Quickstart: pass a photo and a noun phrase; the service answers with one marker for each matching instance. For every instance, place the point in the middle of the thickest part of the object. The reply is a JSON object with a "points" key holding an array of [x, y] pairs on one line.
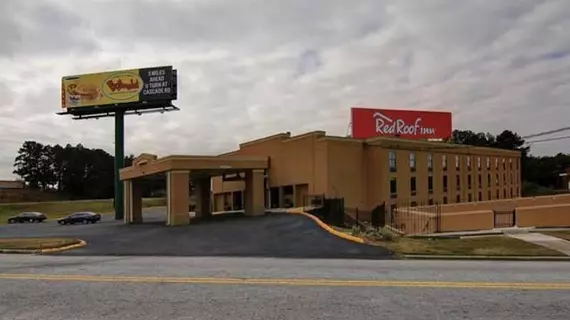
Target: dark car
{"points": [[27, 217], [80, 217]]}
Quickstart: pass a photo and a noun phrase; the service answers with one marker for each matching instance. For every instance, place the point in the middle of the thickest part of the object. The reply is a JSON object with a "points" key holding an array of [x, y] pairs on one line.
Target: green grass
{"points": [[58, 209], [36, 243], [476, 246], [559, 234]]}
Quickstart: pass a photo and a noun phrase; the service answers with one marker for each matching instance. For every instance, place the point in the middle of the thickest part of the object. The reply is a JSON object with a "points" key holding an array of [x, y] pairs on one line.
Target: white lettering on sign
{"points": [[386, 125]]}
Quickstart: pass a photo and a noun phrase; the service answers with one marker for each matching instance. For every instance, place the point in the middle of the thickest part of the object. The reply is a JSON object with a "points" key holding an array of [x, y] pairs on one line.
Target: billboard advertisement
{"points": [[118, 87], [408, 124]]}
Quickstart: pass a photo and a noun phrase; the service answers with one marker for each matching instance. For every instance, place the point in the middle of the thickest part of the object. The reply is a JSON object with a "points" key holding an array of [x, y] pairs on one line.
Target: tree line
{"points": [[83, 173], [76, 172]]}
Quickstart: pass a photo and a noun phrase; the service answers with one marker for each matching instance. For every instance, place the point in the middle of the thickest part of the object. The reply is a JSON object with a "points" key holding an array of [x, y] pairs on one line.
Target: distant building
{"points": [[11, 184]]}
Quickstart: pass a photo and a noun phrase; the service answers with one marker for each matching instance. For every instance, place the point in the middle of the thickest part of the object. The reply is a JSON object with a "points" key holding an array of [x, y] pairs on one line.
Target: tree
{"points": [[29, 164]]}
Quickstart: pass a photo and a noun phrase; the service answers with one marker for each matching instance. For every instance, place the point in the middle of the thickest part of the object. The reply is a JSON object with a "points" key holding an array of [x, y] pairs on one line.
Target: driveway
{"points": [[274, 235]]}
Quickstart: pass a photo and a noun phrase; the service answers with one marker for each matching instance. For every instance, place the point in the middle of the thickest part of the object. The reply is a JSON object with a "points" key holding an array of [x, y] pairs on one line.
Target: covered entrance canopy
{"points": [[180, 169]]}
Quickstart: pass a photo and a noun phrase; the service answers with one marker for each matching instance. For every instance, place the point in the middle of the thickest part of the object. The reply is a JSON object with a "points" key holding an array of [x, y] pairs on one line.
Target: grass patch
{"points": [[480, 246], [477, 246], [36, 243], [58, 209], [559, 234]]}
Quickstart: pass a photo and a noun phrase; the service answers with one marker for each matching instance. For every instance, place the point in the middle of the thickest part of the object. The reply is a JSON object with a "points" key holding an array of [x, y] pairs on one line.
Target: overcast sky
{"points": [[252, 68]]}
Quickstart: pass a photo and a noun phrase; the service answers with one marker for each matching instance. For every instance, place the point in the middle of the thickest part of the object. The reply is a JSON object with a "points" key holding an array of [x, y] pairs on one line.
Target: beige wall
{"points": [[10, 184], [544, 216], [359, 171]]}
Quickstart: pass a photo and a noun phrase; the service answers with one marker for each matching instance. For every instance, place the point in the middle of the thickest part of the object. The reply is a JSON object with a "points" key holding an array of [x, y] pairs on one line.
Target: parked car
{"points": [[27, 217], [80, 217]]}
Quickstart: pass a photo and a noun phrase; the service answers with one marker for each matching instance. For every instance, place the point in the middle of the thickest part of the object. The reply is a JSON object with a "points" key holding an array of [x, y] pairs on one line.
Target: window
{"points": [[489, 195], [504, 164], [430, 162], [504, 193], [504, 178], [488, 163], [457, 183], [444, 162], [478, 163], [517, 164], [511, 164], [496, 163], [414, 204], [498, 195], [479, 181], [512, 180], [412, 162], [469, 198], [444, 183], [457, 162], [444, 200], [511, 192], [488, 180], [468, 162], [458, 199], [392, 161], [497, 179], [393, 188], [469, 182], [413, 185], [430, 202], [430, 184], [479, 196]]}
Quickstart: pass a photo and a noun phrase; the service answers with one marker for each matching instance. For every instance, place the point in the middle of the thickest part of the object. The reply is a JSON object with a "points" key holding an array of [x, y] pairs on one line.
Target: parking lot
{"points": [[274, 235]]}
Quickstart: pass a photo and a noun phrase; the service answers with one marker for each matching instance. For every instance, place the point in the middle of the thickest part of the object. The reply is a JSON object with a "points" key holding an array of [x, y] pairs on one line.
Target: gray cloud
{"points": [[253, 68]]}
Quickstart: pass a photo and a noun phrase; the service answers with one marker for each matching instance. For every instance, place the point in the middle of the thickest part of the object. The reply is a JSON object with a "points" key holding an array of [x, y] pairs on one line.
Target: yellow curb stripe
{"points": [[65, 248], [328, 228], [80, 244], [292, 282]]}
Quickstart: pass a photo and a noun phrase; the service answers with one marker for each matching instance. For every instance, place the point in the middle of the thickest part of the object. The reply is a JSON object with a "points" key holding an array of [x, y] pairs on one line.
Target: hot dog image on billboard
{"points": [[408, 124]]}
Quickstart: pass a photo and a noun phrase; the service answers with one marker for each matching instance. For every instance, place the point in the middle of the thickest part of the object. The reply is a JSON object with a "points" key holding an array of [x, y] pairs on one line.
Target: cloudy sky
{"points": [[252, 68]]}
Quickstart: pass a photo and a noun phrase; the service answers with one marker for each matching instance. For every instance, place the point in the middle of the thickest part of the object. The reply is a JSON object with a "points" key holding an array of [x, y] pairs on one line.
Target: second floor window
{"points": [[393, 187], [412, 162]]}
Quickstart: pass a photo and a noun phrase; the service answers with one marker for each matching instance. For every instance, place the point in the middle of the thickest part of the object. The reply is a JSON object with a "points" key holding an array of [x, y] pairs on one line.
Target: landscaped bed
{"points": [[475, 246]]}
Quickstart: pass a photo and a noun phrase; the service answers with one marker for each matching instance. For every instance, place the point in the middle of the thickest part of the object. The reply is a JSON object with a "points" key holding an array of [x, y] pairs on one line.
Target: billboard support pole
{"points": [[119, 162]]}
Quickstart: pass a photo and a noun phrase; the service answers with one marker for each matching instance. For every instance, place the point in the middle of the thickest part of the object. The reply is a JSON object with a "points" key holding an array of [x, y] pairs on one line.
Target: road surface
{"points": [[71, 287], [276, 235]]}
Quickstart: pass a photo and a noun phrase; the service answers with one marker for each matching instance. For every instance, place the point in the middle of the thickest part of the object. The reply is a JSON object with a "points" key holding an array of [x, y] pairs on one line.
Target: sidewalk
{"points": [[547, 241]]}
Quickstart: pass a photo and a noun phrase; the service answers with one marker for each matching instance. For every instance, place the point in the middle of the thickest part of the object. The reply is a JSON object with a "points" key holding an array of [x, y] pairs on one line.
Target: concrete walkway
{"points": [[547, 241]]}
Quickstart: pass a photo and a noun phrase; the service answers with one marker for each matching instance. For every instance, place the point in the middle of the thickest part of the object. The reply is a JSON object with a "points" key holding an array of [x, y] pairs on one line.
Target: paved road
{"points": [[275, 235], [63, 287]]}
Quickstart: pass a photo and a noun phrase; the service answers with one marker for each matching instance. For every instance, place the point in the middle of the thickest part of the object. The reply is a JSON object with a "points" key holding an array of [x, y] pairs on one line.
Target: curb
{"points": [[483, 258], [80, 244], [328, 228]]}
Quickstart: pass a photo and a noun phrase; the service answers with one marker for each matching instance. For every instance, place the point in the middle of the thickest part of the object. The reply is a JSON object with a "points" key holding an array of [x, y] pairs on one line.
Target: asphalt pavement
{"points": [[275, 235], [103, 287]]}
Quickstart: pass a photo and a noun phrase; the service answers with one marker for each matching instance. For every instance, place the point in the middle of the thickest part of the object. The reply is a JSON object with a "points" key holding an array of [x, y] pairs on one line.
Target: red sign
{"points": [[368, 123]]}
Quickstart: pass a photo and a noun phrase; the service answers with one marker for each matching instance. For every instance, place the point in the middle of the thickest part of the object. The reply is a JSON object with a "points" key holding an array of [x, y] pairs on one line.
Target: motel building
{"points": [[369, 169], [369, 172]]}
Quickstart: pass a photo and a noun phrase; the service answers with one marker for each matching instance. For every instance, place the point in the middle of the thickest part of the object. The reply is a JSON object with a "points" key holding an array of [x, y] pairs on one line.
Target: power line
{"points": [[550, 139], [546, 133]]}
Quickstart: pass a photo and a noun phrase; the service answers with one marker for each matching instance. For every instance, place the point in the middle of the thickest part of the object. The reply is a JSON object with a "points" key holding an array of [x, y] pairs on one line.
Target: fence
{"points": [[406, 217]]}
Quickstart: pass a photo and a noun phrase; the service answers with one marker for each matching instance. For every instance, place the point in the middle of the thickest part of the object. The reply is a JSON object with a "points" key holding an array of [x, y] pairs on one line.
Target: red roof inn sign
{"points": [[368, 123]]}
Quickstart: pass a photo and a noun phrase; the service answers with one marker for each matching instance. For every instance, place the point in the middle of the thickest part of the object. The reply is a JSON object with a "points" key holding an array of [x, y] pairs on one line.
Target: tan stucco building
{"points": [[369, 172]]}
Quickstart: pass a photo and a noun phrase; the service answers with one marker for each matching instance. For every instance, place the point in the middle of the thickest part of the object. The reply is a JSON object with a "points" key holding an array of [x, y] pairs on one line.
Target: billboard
{"points": [[118, 87], [409, 124]]}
